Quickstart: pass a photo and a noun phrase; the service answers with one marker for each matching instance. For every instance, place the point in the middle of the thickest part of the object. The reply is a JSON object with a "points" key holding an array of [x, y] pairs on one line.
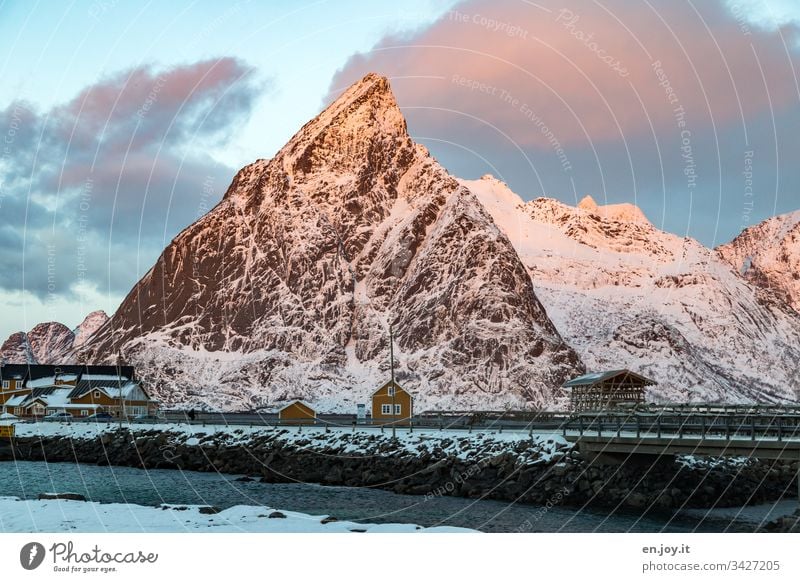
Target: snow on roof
{"points": [[597, 377], [105, 377], [125, 391], [16, 400], [40, 382], [57, 398]]}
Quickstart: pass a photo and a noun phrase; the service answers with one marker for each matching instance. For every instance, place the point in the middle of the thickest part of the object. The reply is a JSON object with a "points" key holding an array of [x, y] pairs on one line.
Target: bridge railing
{"points": [[681, 425]]}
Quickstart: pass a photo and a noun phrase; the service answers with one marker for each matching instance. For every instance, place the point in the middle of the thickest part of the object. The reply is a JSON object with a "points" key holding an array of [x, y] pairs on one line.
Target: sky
{"points": [[123, 122]]}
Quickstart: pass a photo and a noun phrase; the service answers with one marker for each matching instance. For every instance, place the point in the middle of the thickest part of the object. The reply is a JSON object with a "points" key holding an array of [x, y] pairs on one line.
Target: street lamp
{"points": [[119, 389], [393, 387]]}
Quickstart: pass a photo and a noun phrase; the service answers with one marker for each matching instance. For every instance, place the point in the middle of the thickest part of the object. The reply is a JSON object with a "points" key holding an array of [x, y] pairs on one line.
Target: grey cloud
{"points": [[101, 183]]}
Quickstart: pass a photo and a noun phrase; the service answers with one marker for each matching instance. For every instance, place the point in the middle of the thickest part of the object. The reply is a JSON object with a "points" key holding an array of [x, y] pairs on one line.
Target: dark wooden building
{"points": [[604, 390]]}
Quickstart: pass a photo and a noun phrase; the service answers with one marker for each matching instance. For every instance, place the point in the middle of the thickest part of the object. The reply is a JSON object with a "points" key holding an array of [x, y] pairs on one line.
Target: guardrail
{"points": [[731, 425], [732, 421]]}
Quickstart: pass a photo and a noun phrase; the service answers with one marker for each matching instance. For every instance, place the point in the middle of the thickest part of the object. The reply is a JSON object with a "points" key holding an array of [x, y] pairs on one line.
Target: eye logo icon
{"points": [[31, 555]]}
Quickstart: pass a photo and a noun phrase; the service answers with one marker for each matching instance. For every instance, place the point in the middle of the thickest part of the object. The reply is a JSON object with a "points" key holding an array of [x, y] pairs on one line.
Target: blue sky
{"points": [[93, 188]]}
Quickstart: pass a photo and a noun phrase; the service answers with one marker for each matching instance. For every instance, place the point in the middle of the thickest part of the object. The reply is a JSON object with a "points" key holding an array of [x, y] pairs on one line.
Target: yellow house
{"points": [[297, 412], [392, 403]]}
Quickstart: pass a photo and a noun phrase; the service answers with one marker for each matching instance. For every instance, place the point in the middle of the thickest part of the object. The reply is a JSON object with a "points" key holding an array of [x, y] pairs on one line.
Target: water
{"points": [[26, 479]]}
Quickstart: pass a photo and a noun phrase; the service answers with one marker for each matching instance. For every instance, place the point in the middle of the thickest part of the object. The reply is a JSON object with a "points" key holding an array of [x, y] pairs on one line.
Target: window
{"points": [[6, 384], [84, 413], [386, 409], [391, 391], [97, 394], [398, 409], [17, 411]]}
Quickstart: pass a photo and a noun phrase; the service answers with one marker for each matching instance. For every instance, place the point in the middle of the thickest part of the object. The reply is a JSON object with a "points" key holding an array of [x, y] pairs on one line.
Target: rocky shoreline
{"points": [[534, 470]]}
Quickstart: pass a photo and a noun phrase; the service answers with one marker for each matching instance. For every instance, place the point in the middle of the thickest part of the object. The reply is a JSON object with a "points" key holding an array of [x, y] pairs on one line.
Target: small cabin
{"points": [[392, 404], [604, 390], [297, 412]]}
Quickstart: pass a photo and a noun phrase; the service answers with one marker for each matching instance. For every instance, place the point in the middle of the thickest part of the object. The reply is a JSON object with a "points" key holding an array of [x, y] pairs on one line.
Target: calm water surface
{"points": [[26, 479]]}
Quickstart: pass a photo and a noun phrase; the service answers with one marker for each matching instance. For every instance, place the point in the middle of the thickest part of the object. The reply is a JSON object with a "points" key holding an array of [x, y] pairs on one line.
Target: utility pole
{"points": [[119, 387], [394, 389]]}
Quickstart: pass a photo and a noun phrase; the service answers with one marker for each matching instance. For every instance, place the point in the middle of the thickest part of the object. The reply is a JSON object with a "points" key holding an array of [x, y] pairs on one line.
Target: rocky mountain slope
{"points": [[45, 344], [768, 255], [50, 342], [91, 323], [287, 288], [625, 294]]}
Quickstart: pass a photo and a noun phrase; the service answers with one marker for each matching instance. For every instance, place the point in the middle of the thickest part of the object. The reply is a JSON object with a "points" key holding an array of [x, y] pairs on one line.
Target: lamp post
{"points": [[393, 388], [119, 388]]}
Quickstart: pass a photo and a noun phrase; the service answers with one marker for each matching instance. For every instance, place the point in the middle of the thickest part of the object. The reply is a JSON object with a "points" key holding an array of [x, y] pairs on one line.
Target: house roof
{"points": [[297, 401], [15, 400], [51, 396], [41, 382], [104, 378], [34, 371], [601, 377], [385, 384], [111, 389]]}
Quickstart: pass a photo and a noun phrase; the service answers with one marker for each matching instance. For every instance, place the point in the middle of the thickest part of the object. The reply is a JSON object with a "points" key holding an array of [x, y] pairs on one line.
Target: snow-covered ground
{"points": [[58, 516]]}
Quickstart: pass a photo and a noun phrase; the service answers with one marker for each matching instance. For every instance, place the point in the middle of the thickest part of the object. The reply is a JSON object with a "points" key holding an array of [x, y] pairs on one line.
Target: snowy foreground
{"points": [[61, 516]]}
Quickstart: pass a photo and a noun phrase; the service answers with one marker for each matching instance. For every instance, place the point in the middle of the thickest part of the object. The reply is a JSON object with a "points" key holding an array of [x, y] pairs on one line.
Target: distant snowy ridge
{"points": [[51, 342], [625, 294]]}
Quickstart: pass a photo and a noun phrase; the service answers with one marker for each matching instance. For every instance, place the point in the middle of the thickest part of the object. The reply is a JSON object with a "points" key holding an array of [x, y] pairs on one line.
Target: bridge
{"points": [[760, 432]]}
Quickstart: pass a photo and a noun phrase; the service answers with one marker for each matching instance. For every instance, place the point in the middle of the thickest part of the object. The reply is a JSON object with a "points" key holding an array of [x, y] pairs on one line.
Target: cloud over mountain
{"points": [[92, 188], [648, 102]]}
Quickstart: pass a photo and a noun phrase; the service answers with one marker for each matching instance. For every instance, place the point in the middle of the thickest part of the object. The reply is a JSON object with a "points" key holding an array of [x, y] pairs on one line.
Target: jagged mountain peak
{"points": [[50, 342], [16, 350], [90, 324], [365, 110], [287, 287], [621, 212], [343, 167], [621, 228], [768, 255], [588, 204], [361, 131]]}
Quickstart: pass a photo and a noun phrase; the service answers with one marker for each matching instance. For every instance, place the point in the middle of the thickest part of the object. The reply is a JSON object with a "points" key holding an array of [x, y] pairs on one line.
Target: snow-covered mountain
{"points": [[50, 342], [768, 255], [47, 343], [17, 350], [287, 288], [91, 323], [625, 294]]}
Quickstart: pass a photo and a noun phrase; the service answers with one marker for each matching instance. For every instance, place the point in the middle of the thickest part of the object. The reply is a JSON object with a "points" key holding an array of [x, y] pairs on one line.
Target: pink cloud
{"points": [[577, 71]]}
